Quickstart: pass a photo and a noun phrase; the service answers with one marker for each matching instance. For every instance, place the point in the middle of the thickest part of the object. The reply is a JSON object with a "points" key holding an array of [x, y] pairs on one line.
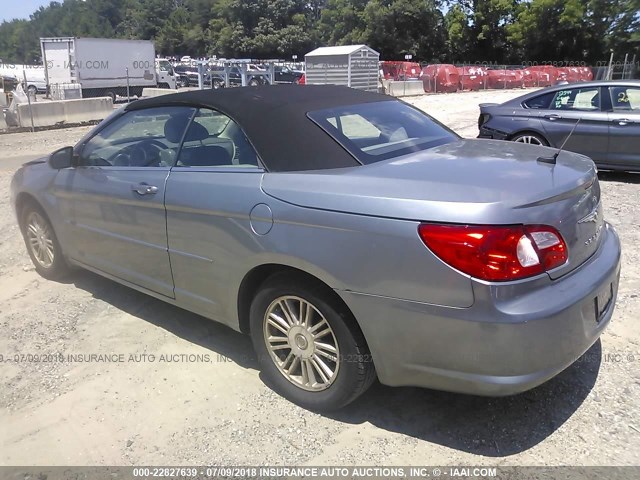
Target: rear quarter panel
{"points": [[511, 120], [376, 256]]}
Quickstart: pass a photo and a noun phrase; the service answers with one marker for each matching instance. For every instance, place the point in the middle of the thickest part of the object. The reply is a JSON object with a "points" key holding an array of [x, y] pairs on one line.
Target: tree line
{"points": [[452, 31]]}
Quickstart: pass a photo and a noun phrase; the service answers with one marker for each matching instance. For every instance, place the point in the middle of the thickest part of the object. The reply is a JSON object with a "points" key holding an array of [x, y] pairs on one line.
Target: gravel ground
{"points": [[179, 389]]}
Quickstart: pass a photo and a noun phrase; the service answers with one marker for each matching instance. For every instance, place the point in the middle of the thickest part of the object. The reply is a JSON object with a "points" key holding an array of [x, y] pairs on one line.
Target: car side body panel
{"points": [[214, 240], [590, 137], [624, 139], [113, 227]]}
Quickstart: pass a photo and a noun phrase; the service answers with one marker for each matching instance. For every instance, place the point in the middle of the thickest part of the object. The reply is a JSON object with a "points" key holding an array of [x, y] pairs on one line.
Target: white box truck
{"points": [[104, 66]]}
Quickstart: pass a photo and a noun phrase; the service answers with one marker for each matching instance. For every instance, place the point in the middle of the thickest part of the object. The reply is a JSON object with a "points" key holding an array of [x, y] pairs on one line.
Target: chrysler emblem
{"points": [[592, 216]]}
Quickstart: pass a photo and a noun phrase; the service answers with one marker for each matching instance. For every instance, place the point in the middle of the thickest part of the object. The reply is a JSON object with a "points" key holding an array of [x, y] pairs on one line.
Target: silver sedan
{"points": [[598, 119], [351, 235]]}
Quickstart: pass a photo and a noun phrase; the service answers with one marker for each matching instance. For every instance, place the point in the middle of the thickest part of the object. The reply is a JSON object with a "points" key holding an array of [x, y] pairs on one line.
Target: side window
{"points": [[625, 98], [539, 102], [214, 140], [381, 130], [364, 133], [586, 98], [141, 138], [355, 126]]}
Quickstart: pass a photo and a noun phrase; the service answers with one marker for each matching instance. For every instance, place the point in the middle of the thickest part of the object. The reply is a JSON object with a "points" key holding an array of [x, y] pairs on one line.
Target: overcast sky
{"points": [[11, 9]]}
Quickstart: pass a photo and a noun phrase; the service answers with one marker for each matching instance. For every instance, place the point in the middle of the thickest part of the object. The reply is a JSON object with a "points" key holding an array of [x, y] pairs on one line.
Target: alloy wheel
{"points": [[530, 139], [40, 240], [301, 343]]}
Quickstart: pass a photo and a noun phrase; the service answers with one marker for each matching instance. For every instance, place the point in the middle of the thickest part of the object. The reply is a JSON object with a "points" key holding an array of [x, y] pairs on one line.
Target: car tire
{"points": [[217, 84], [254, 82], [111, 95], [32, 89], [530, 138], [330, 384], [42, 244]]}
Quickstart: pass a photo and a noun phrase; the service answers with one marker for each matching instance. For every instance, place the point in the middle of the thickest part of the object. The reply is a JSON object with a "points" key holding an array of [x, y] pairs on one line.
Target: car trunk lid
{"points": [[467, 181]]}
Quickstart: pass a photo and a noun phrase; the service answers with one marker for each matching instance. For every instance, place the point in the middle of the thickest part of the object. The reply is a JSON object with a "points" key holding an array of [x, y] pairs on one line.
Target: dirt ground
{"points": [[206, 404]]}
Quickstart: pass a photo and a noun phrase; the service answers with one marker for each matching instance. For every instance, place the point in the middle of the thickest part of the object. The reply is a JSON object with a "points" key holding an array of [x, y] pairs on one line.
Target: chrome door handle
{"points": [[144, 189], [623, 121], [553, 117]]}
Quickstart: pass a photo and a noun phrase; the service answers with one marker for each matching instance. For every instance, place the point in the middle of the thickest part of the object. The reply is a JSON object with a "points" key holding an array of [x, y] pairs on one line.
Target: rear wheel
{"points": [[254, 82], [42, 244], [531, 139], [32, 89], [307, 346]]}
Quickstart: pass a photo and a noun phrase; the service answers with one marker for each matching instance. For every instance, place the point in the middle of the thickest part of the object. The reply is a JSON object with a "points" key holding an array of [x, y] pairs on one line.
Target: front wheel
{"points": [[531, 139], [307, 346], [42, 244]]}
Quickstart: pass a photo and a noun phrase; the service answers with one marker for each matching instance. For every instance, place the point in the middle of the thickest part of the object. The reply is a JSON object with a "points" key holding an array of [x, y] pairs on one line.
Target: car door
{"points": [[212, 192], [115, 196], [569, 106], [624, 126]]}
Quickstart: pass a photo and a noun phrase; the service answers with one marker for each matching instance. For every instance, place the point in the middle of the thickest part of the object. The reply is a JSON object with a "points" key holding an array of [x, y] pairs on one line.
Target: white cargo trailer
{"points": [[101, 66], [355, 66]]}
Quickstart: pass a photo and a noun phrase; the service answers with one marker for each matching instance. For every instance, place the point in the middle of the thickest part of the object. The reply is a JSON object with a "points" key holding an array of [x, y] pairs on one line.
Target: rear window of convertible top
{"points": [[372, 132]]}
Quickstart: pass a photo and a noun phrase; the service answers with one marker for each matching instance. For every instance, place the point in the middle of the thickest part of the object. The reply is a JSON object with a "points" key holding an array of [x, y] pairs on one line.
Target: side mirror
{"points": [[62, 158]]}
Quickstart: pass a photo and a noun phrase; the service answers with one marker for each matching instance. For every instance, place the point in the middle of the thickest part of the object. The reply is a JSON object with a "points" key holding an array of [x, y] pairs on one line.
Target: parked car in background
{"points": [[36, 82], [35, 77], [608, 113], [36, 85], [235, 77], [348, 233], [187, 75], [284, 74]]}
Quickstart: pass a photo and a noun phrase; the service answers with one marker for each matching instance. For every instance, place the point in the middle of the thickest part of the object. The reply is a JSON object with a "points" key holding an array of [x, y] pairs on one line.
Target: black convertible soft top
{"points": [[275, 120]]}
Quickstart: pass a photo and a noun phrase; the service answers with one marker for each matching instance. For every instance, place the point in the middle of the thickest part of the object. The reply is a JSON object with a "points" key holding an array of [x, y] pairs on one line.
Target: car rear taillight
{"points": [[483, 118], [496, 252]]}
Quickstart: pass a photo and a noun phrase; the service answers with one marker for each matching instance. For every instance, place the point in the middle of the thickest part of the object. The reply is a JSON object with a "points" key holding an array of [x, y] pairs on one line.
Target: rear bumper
{"points": [[514, 337], [490, 133]]}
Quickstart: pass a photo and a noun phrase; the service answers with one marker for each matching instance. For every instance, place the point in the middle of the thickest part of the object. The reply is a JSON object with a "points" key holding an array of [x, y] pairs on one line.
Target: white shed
{"points": [[355, 66]]}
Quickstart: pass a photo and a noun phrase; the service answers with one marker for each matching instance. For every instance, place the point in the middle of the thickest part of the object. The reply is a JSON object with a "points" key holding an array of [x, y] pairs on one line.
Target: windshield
{"points": [[378, 131], [165, 66]]}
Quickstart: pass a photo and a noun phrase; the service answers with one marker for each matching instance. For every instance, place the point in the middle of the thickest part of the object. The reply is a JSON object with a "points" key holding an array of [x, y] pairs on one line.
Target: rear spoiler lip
{"points": [[486, 105]]}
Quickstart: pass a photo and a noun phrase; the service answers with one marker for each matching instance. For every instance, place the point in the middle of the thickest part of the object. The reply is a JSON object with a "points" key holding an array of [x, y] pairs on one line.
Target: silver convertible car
{"points": [[351, 235], [598, 119]]}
